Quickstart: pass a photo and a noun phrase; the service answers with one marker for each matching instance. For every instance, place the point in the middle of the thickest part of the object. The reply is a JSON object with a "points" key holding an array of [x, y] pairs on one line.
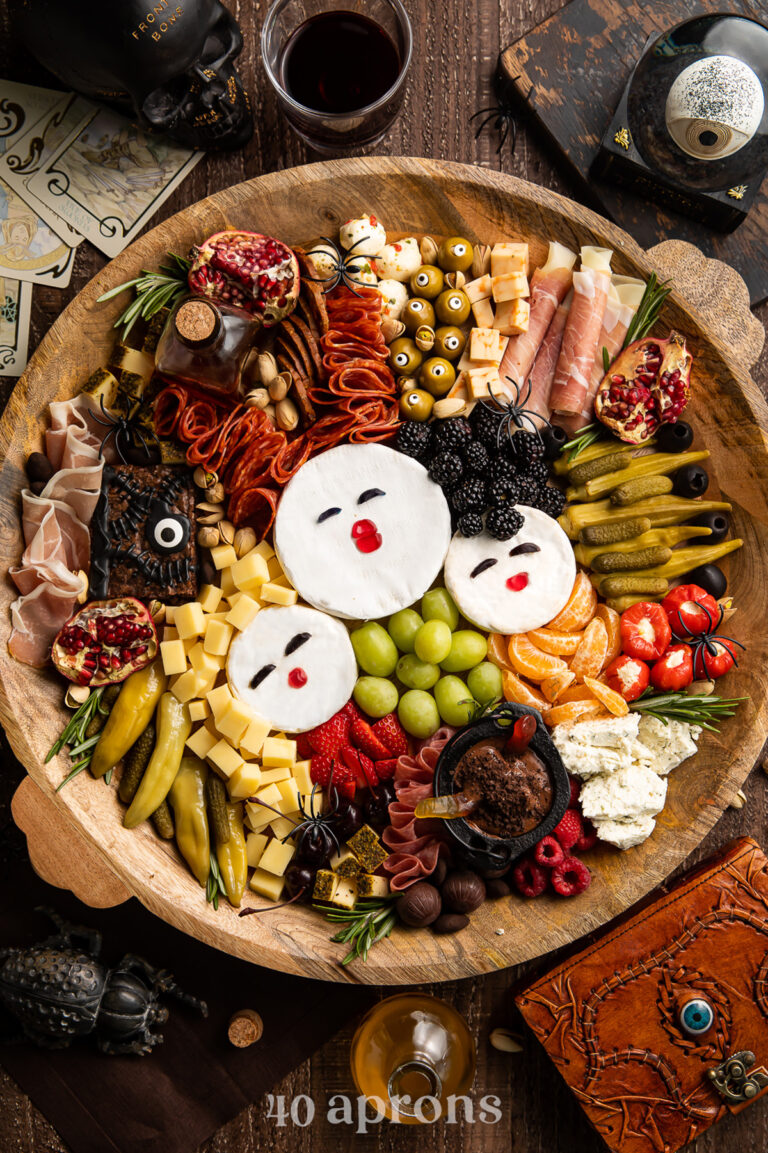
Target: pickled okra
{"points": [[656, 464], [665, 537], [683, 560], [660, 510], [597, 449]]}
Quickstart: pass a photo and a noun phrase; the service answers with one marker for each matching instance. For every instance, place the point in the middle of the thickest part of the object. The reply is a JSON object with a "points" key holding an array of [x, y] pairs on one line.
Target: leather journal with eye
{"points": [[660, 1027]]}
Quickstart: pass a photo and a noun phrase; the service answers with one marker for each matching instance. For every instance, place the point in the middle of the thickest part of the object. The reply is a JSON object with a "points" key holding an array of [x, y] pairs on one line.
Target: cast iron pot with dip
{"points": [[482, 850]]}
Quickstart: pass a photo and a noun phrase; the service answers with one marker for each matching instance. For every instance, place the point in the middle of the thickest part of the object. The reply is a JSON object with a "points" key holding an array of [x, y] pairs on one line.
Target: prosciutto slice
{"points": [[543, 372], [414, 848], [582, 332], [550, 285]]}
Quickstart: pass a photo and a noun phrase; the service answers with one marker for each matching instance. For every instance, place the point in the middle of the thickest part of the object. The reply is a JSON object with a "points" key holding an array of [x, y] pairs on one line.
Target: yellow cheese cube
{"points": [[245, 781], [170, 612], [282, 827], [186, 686], [227, 582], [270, 795], [190, 620], [289, 791], [276, 857], [266, 884], [259, 817], [233, 722], [199, 711], [255, 844], [482, 312], [509, 257], [217, 637], [242, 611], [223, 556], [278, 594], [263, 548], [173, 657], [250, 571], [302, 777], [479, 289], [225, 759], [314, 804], [272, 776], [345, 895], [510, 286], [486, 344], [278, 751], [512, 317], [219, 699], [253, 741], [170, 633], [201, 742], [204, 663], [480, 381], [209, 597], [274, 568], [369, 885]]}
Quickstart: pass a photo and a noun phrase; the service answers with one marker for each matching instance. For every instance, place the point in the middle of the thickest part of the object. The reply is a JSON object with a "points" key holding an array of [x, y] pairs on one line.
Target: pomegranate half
{"points": [[647, 385], [256, 273], [105, 642]]}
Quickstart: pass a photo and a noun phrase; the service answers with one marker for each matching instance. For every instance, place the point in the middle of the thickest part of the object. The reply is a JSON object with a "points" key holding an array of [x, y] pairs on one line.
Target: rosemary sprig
{"points": [[215, 884], [606, 360], [648, 310], [153, 291], [369, 922], [584, 438], [695, 710], [74, 738]]}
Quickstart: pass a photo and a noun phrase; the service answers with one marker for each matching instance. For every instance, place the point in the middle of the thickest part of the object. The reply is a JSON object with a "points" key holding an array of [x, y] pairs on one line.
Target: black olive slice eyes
{"points": [[261, 675], [369, 494], [489, 562], [296, 643], [524, 549], [329, 512]]}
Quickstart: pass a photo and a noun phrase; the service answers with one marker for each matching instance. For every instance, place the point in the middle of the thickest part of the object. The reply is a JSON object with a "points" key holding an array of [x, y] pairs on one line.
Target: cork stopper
{"points": [[245, 1028], [197, 321]]}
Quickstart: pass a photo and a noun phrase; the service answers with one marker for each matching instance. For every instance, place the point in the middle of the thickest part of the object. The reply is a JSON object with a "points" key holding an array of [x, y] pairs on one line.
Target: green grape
{"points": [[468, 648], [439, 605], [403, 627], [376, 696], [484, 682], [375, 650], [454, 701], [433, 641], [417, 713], [416, 674]]}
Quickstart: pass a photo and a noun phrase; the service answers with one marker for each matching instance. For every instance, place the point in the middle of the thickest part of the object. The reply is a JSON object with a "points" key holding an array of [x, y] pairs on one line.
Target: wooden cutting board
{"points": [[730, 415]]}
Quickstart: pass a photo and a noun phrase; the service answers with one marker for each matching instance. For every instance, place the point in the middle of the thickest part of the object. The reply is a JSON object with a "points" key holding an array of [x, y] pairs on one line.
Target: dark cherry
{"points": [[710, 578], [719, 524], [298, 877], [347, 819], [316, 847], [691, 481], [389, 791], [376, 810], [553, 438], [677, 437]]}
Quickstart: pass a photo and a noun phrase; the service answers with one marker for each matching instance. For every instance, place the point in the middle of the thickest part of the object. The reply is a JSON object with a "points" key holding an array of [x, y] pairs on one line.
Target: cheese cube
{"points": [[233, 722], [225, 759], [227, 582], [202, 662], [326, 883], [486, 344], [189, 619], [482, 312], [510, 287], [345, 896], [173, 657], [273, 776], [253, 742], [266, 884], [282, 827], [209, 597], [201, 742], [512, 317], [170, 633], [245, 781], [269, 795], [263, 548], [480, 381], [259, 817], [289, 792], [278, 594], [250, 571], [170, 611], [223, 556], [509, 257], [479, 289], [314, 804], [242, 611], [255, 844], [343, 855], [278, 751], [274, 568], [186, 686], [276, 857], [199, 711], [219, 699], [370, 885], [301, 775], [217, 637]]}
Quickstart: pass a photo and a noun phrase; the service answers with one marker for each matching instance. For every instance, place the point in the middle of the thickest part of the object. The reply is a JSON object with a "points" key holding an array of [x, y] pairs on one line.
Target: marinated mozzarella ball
{"points": [[400, 260], [394, 296], [325, 259], [366, 232], [360, 270]]}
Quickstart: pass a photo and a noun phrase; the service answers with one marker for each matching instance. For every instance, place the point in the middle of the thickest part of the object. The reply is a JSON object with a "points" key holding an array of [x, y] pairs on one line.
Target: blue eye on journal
{"points": [[696, 1017]]}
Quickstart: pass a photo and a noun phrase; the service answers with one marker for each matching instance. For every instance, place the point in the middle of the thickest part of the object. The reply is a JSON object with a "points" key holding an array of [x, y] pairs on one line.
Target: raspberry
{"points": [[361, 766], [570, 877], [343, 777], [587, 839], [575, 784], [385, 770], [329, 737], [530, 879], [548, 853], [364, 737], [391, 732], [569, 830]]}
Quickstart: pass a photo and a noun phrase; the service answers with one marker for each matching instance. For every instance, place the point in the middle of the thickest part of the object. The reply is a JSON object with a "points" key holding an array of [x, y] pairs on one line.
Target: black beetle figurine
{"points": [[57, 991]]}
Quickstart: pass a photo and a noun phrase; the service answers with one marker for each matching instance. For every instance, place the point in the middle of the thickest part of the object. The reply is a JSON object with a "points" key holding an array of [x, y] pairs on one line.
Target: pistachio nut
{"points": [[256, 398], [406, 383], [215, 494], [424, 337], [449, 406], [209, 513], [82, 596], [226, 531], [391, 329], [267, 368], [278, 388], [204, 478], [76, 695], [506, 1041], [208, 536], [455, 279], [245, 540], [157, 611], [286, 415], [428, 250], [481, 261]]}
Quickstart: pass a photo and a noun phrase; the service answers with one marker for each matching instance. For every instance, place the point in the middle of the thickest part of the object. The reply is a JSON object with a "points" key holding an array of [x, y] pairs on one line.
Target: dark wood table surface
{"points": [[455, 51]]}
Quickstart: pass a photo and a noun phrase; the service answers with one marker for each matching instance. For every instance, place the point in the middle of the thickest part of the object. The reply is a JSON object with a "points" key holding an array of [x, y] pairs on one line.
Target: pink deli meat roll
{"points": [[550, 285], [582, 332], [543, 372]]}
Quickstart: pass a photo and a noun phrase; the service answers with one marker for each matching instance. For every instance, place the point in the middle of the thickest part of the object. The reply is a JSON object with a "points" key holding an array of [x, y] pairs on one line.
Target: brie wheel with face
{"points": [[511, 586], [294, 667]]}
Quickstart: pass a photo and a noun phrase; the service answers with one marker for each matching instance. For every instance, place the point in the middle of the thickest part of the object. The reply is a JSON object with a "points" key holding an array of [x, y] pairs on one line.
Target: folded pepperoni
{"points": [[255, 507]]}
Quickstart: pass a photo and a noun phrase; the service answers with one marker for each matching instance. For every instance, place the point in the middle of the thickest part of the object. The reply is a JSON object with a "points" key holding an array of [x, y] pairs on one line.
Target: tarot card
{"points": [[109, 178], [15, 305], [33, 148]]}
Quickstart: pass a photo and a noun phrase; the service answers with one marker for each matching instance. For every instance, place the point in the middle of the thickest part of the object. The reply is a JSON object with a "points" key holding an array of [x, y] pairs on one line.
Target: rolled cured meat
{"points": [[582, 332], [550, 285], [543, 372]]}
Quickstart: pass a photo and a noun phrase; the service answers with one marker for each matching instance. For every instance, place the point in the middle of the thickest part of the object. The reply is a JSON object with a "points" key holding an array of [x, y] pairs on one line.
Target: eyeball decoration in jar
{"points": [[365, 233], [360, 270], [394, 297], [399, 261]]}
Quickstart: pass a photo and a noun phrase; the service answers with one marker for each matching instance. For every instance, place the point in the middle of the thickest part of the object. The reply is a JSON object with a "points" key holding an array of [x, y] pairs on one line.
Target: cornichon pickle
{"points": [[564, 464], [661, 510], [621, 604], [163, 821], [617, 586], [218, 817], [611, 462], [644, 558], [643, 486], [136, 761], [666, 537], [655, 464], [614, 531]]}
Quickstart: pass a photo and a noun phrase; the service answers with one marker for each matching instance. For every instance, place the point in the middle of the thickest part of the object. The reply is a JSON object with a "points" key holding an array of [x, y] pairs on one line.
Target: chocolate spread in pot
{"points": [[514, 790]]}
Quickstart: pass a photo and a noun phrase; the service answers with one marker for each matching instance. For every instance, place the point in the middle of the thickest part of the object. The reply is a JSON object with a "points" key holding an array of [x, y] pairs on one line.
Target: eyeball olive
{"points": [[404, 356], [452, 306], [455, 254], [437, 375], [416, 405], [417, 312], [427, 282], [450, 342]]}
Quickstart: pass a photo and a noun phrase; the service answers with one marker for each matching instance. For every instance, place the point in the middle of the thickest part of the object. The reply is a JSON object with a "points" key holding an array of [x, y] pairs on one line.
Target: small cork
{"points": [[245, 1028], [196, 321]]}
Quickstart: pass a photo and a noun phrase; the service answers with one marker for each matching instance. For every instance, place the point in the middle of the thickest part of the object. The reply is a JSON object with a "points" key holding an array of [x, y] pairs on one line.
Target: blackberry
{"points": [[471, 524], [501, 468], [527, 447], [453, 434], [504, 522], [475, 457], [485, 425], [446, 469], [469, 496], [504, 489], [414, 439], [528, 491], [538, 470], [551, 500]]}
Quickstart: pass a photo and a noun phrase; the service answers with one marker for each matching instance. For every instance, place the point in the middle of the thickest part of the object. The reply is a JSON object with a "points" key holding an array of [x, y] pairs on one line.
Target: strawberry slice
{"points": [[385, 770], [361, 765], [365, 738], [329, 737], [391, 733], [303, 747], [323, 766]]}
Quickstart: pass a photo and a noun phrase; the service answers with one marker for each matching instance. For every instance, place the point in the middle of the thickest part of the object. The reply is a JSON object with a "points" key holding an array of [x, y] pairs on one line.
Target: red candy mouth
{"points": [[297, 678], [518, 582], [366, 536]]}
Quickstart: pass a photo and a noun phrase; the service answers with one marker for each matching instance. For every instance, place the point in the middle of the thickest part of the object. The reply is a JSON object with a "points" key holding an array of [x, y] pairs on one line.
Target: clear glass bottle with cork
{"points": [[206, 343]]}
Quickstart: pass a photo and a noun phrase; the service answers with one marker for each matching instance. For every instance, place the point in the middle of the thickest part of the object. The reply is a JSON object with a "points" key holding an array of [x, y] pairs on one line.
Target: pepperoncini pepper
{"points": [[231, 856], [130, 715], [187, 797], [173, 727]]}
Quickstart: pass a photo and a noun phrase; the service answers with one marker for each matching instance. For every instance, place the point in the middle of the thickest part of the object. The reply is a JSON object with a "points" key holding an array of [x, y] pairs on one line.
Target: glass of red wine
{"points": [[338, 67]]}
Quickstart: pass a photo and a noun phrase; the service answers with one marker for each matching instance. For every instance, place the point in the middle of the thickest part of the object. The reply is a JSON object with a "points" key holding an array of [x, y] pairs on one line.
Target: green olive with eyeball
{"points": [[452, 306], [450, 342], [416, 404], [455, 254], [437, 375], [416, 313], [427, 282], [404, 356]]}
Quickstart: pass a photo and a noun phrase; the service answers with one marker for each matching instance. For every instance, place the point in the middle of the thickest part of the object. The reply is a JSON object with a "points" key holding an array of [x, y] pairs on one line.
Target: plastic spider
{"points": [[704, 644], [126, 430], [513, 412], [501, 115], [344, 267]]}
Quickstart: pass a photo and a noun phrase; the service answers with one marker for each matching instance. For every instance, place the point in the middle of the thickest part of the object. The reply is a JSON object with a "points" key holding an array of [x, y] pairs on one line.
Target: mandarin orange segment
{"points": [[559, 644], [575, 711], [529, 661], [613, 701], [523, 694], [497, 651], [576, 693], [554, 687], [579, 609], [588, 659], [612, 621]]}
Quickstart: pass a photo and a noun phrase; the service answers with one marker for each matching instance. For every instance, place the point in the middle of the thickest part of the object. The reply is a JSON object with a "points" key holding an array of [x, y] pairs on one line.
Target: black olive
{"points": [[677, 437], [463, 891], [710, 578], [37, 486], [691, 481], [717, 521], [419, 906], [553, 439]]}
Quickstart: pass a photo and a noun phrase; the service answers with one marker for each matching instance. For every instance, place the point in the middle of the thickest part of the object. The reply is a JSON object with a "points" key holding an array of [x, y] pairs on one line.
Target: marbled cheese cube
{"points": [[512, 317], [486, 344], [510, 287], [509, 256], [479, 289]]}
